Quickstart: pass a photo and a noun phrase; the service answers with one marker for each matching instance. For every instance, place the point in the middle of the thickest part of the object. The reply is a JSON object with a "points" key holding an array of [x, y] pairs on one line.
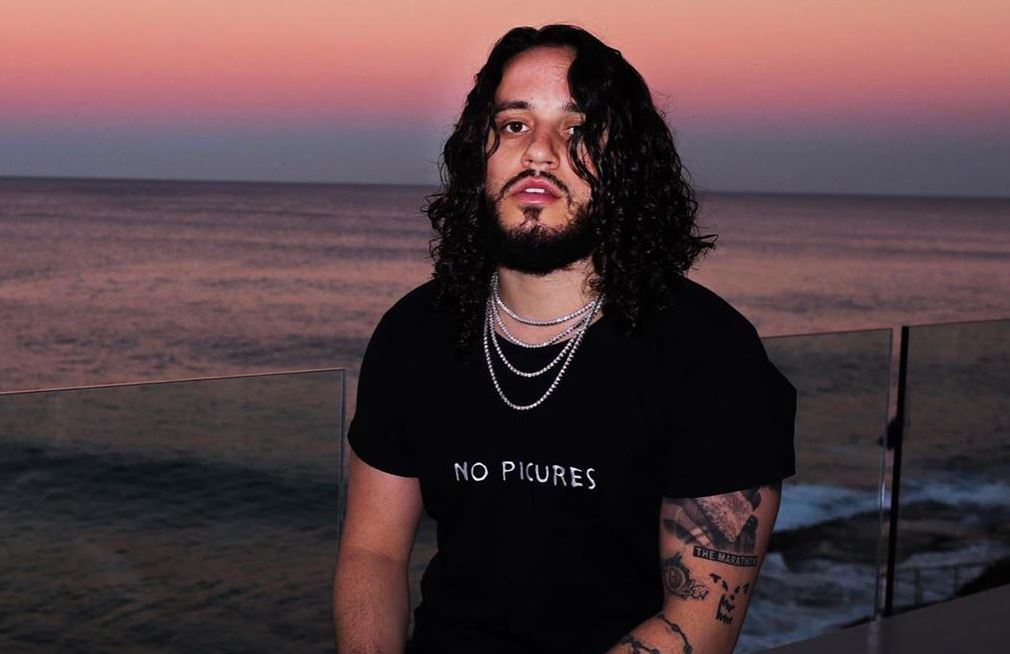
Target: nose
{"points": [[542, 151]]}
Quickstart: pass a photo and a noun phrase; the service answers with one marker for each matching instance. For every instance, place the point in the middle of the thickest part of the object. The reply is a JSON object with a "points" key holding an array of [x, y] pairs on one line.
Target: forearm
{"points": [[371, 603], [674, 631]]}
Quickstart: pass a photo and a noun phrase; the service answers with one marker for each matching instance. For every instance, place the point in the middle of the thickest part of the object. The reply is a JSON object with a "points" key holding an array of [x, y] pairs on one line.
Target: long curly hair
{"points": [[644, 209]]}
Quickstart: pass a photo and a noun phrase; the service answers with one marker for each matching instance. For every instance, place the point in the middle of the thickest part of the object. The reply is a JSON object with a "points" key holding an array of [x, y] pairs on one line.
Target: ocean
{"points": [[107, 281]]}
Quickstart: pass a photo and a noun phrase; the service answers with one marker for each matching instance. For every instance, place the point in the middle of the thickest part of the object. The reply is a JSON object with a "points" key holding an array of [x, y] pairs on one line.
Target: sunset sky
{"points": [[902, 97]]}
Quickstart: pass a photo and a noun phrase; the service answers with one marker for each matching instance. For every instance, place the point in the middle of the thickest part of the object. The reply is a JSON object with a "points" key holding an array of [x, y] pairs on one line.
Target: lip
{"points": [[550, 194], [537, 184]]}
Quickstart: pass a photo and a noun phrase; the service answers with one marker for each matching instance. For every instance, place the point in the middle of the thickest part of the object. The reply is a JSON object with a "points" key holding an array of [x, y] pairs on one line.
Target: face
{"points": [[535, 116]]}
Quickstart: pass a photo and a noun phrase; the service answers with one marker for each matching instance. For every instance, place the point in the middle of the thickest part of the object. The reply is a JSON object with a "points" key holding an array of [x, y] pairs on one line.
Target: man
{"points": [[600, 440]]}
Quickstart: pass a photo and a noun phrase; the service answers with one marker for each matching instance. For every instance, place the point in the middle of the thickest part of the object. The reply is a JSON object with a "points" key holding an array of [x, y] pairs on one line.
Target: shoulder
{"points": [[696, 317], [705, 337]]}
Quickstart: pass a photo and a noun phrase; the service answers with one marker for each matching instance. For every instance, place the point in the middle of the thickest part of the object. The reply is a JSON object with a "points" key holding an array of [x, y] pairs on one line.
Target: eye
{"points": [[505, 126]]}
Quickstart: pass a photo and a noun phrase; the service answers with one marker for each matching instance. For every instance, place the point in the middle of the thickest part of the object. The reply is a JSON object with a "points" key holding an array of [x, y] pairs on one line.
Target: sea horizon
{"points": [[435, 185], [111, 280]]}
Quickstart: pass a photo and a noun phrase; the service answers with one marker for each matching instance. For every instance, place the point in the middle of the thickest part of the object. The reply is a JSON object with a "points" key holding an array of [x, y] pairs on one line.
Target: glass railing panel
{"points": [[954, 527], [821, 569], [195, 516]]}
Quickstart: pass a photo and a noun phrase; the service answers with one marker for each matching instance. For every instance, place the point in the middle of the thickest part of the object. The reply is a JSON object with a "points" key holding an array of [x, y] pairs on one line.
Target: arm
{"points": [[711, 550], [371, 598]]}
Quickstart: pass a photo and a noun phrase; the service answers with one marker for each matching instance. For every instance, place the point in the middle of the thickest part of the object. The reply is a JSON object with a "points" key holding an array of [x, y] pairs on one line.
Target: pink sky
{"points": [[720, 59], [712, 64]]}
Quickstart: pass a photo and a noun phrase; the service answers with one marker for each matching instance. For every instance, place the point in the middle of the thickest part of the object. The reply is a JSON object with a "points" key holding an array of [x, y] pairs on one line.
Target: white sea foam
{"points": [[956, 488], [810, 504]]}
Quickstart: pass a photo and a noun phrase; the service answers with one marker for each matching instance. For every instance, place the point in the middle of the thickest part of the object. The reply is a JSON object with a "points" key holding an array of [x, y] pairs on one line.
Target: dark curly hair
{"points": [[644, 210]]}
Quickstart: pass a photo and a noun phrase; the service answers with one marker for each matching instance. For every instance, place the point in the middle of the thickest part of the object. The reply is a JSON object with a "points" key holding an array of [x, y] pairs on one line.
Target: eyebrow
{"points": [[570, 107]]}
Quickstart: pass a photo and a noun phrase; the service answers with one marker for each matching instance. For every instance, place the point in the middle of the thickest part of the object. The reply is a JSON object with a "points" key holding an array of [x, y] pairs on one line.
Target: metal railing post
{"points": [[898, 433]]}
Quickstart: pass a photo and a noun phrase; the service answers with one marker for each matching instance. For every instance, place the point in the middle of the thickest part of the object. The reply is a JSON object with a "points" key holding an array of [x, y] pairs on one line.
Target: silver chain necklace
{"points": [[522, 373], [514, 339], [491, 316], [533, 321], [498, 302]]}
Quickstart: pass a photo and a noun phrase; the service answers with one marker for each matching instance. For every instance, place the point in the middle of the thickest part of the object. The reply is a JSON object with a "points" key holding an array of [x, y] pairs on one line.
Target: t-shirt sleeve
{"points": [[376, 433], [734, 417]]}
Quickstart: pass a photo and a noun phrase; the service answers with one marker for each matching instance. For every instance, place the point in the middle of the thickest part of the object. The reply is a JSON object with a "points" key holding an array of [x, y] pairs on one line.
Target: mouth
{"points": [[536, 191], [535, 195]]}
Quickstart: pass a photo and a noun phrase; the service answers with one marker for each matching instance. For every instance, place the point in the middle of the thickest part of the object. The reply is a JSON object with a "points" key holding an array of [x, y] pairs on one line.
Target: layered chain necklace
{"points": [[491, 318]]}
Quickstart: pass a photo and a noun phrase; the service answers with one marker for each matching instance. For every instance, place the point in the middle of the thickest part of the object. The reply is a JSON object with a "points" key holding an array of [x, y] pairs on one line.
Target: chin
{"points": [[524, 218]]}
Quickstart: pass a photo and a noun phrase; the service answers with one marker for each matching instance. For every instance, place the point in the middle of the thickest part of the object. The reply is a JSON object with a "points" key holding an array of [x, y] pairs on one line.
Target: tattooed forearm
{"points": [[721, 524], [728, 602], [678, 580]]}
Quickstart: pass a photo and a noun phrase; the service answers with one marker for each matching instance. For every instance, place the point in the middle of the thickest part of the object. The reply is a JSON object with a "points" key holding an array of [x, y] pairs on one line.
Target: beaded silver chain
{"points": [[498, 302], [533, 321], [568, 352], [522, 373], [514, 339]]}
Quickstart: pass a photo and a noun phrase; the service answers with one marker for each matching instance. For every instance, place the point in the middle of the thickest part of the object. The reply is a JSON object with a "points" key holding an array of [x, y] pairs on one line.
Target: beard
{"points": [[536, 250]]}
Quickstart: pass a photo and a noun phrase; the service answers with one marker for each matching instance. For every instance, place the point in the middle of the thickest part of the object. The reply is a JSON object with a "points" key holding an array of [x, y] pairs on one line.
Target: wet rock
{"points": [[995, 574]]}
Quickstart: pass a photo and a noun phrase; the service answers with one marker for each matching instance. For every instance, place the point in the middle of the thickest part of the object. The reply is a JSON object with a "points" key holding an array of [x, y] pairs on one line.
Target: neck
{"points": [[543, 297]]}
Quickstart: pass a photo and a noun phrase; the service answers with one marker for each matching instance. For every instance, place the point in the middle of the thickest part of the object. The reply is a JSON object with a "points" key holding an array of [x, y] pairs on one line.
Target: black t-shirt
{"points": [[548, 519]]}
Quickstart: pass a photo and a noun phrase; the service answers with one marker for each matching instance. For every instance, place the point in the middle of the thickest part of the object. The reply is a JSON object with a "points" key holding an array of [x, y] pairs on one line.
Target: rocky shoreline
{"points": [[925, 526]]}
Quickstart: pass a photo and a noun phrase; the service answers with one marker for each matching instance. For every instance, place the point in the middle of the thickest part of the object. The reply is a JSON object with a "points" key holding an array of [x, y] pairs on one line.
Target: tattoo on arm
{"points": [[722, 528], [675, 628], [678, 580], [728, 602], [636, 646]]}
